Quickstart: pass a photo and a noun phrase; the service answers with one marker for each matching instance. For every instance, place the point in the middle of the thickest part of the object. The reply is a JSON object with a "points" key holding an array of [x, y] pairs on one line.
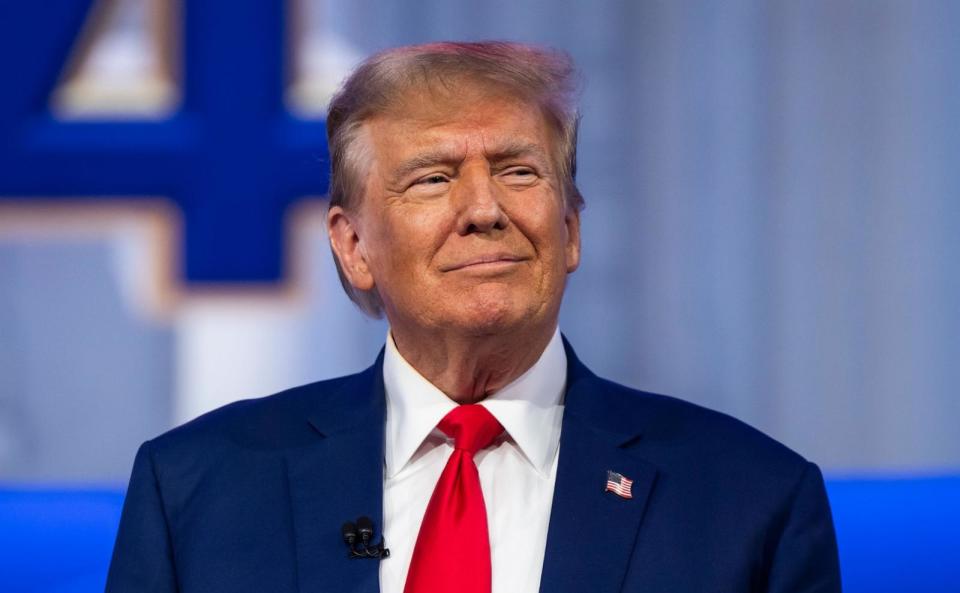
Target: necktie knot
{"points": [[471, 426]]}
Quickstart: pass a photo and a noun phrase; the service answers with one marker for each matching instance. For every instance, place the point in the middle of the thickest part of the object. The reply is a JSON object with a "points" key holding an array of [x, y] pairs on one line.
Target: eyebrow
{"points": [[427, 159], [446, 157], [514, 150]]}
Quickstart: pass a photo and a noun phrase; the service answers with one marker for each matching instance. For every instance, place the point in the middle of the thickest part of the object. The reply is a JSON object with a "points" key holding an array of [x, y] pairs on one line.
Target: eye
{"points": [[519, 175], [520, 171], [434, 179]]}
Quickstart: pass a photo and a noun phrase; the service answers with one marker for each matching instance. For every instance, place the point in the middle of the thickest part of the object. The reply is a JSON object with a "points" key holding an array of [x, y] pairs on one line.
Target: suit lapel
{"points": [[336, 479], [339, 477], [592, 532]]}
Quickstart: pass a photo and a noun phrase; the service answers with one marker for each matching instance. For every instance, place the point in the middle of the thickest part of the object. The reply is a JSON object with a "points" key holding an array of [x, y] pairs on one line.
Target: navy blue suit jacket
{"points": [[251, 497]]}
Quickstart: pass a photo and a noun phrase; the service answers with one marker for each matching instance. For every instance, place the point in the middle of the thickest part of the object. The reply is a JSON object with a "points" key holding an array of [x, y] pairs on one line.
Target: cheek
{"points": [[408, 236], [544, 226]]}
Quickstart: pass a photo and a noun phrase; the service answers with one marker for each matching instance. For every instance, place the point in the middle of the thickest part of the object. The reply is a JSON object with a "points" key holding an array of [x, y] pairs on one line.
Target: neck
{"points": [[470, 368]]}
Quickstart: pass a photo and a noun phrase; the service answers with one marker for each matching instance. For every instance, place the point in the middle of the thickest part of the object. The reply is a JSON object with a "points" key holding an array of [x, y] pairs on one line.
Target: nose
{"points": [[479, 204]]}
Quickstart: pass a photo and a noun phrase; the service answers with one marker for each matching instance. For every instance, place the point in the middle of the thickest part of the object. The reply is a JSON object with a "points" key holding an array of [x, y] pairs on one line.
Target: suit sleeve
{"points": [[143, 553], [805, 559]]}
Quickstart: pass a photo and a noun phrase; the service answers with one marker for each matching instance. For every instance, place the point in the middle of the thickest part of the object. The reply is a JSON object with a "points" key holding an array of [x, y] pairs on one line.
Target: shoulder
{"points": [[739, 479], [671, 418], [670, 426], [243, 446], [685, 438], [278, 421]]}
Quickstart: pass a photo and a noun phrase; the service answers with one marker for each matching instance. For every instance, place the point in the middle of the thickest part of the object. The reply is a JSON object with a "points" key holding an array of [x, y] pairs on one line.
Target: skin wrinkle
{"points": [[454, 179]]}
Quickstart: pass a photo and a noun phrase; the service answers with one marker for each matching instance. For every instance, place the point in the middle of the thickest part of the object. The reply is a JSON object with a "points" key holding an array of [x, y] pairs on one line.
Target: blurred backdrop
{"points": [[772, 223]]}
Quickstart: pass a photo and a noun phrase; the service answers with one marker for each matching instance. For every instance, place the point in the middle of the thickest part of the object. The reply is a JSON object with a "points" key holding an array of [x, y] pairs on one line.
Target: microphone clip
{"points": [[359, 540]]}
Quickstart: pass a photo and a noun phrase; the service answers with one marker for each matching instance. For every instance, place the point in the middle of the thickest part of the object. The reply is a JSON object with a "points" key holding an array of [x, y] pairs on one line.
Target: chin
{"points": [[490, 316]]}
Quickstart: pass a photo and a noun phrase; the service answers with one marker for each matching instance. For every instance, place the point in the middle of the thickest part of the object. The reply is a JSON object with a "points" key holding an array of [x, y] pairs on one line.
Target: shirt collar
{"points": [[530, 408]]}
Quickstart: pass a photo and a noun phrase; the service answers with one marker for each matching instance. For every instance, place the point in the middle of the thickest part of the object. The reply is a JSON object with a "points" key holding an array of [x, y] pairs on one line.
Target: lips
{"points": [[491, 261]]}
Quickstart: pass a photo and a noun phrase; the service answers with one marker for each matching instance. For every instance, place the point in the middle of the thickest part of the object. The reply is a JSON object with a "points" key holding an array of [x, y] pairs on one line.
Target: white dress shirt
{"points": [[517, 473]]}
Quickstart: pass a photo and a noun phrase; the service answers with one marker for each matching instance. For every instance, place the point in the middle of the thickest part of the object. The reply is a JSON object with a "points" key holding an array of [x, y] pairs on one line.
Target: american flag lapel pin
{"points": [[619, 484]]}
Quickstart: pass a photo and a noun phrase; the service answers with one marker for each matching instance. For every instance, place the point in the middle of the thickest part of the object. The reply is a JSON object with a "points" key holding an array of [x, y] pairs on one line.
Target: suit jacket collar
{"points": [[592, 532], [339, 478], [601, 404]]}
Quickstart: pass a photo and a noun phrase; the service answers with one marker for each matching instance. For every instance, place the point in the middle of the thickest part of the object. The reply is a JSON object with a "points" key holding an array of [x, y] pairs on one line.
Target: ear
{"points": [[572, 221], [345, 242]]}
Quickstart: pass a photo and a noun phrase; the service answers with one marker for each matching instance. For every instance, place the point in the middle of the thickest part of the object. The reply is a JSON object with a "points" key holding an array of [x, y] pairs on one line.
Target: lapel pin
{"points": [[619, 484]]}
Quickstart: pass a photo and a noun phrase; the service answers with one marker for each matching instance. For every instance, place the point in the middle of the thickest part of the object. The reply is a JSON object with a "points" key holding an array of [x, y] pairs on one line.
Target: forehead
{"points": [[466, 120]]}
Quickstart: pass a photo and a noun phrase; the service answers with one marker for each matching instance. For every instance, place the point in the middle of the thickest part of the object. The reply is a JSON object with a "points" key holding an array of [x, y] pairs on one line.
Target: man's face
{"points": [[462, 225]]}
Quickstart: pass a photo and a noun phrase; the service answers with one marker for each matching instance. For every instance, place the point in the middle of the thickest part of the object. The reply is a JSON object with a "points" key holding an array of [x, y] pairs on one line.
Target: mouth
{"points": [[491, 263]]}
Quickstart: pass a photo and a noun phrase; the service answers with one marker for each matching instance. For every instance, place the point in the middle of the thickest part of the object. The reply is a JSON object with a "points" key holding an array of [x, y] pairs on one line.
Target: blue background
{"points": [[894, 535]]}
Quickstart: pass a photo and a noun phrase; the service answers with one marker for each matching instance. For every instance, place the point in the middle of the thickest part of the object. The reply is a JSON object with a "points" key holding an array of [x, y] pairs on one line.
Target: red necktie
{"points": [[452, 553]]}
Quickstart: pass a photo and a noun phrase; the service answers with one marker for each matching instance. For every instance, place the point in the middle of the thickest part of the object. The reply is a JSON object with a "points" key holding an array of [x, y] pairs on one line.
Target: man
{"points": [[487, 455]]}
